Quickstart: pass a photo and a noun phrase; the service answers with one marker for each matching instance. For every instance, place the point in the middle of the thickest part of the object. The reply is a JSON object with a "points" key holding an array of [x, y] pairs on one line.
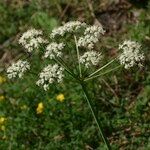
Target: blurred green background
{"points": [[122, 99]]}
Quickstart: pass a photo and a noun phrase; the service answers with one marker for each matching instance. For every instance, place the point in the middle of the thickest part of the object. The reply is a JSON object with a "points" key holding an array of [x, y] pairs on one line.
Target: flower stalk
{"points": [[95, 116], [101, 68], [78, 55], [101, 74]]}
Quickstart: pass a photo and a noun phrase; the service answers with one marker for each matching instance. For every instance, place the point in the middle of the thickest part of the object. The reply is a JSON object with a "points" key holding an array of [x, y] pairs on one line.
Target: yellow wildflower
{"points": [[2, 120], [40, 108], [2, 79], [60, 97], [2, 98]]}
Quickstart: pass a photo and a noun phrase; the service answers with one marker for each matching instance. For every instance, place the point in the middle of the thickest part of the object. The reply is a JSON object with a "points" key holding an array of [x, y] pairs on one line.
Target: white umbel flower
{"points": [[32, 39], [49, 75], [94, 30], [54, 49], [87, 41], [90, 58], [91, 36], [17, 69], [131, 54], [71, 26]]}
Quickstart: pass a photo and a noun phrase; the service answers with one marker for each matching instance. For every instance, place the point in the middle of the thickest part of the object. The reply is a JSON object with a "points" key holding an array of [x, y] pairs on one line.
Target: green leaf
{"points": [[42, 20]]}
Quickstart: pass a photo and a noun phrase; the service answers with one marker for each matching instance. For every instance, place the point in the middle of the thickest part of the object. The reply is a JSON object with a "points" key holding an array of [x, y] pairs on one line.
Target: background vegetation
{"points": [[64, 121]]}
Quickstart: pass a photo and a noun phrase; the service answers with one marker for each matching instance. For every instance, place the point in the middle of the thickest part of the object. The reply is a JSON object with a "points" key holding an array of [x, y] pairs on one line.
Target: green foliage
{"points": [[142, 29], [42, 20]]}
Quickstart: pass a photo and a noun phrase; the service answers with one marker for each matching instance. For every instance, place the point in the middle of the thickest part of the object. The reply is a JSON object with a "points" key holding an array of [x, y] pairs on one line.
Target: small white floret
{"points": [[49, 75], [17, 69], [32, 39], [54, 50], [91, 36], [68, 27], [90, 58], [131, 54]]}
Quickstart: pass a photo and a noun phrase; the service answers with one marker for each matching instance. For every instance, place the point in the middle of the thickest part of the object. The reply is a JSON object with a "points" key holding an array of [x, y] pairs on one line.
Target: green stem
{"points": [[87, 79], [78, 55], [66, 68], [102, 68], [95, 116]]}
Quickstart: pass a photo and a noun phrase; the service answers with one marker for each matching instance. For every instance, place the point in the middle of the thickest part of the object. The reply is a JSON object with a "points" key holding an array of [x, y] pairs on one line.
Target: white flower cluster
{"points": [[131, 54], [90, 58], [91, 36], [32, 39], [17, 69], [53, 50], [50, 74], [71, 26], [94, 30]]}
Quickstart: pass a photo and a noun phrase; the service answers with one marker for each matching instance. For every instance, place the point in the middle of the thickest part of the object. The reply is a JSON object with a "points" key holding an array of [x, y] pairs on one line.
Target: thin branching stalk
{"points": [[66, 68], [90, 78], [78, 55], [101, 68], [95, 116]]}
